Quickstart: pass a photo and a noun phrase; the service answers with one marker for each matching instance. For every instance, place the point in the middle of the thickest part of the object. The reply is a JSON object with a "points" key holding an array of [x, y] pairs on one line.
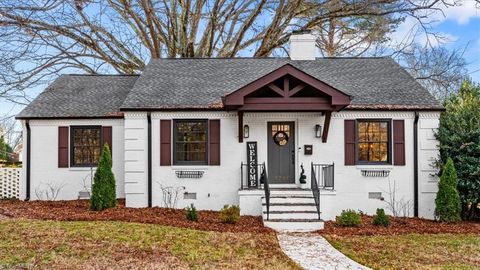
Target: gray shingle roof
{"points": [[201, 83], [81, 96], [373, 83]]}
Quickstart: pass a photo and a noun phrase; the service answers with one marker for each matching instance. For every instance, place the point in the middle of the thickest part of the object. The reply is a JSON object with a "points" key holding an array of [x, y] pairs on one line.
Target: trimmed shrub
{"points": [[229, 214], [380, 219], [103, 187], [349, 218], [192, 213], [447, 204]]}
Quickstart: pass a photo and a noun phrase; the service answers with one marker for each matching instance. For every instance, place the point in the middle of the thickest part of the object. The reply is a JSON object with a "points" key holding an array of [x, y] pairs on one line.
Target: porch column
{"points": [[240, 126], [326, 126]]}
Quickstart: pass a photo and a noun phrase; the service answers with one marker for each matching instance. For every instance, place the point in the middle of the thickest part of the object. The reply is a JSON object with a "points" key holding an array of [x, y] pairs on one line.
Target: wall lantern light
{"points": [[246, 131], [318, 131]]}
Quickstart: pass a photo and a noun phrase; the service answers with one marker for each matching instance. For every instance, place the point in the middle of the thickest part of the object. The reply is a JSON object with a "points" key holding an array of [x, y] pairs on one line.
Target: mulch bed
{"points": [[400, 226], [78, 210]]}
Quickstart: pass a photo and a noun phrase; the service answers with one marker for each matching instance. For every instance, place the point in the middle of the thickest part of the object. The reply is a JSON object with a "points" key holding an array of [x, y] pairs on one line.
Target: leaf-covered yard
{"points": [[112, 244], [411, 251]]}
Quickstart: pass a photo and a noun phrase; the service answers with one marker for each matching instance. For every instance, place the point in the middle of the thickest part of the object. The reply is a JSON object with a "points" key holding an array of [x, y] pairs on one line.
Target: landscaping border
{"points": [[78, 210]]}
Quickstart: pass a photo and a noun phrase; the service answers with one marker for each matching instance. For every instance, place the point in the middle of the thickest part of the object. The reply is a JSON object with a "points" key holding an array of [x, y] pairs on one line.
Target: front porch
{"points": [[286, 207], [301, 108]]}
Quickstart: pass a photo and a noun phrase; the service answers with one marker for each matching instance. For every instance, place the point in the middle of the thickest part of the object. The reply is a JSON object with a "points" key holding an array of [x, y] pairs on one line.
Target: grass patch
{"points": [[103, 244], [412, 251]]}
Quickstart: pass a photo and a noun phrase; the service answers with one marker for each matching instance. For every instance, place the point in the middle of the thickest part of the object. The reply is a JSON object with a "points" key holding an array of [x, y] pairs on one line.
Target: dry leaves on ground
{"points": [[78, 210], [401, 226]]}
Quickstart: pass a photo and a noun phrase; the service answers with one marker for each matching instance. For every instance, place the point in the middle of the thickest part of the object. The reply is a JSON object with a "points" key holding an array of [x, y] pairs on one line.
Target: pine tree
{"points": [[447, 203], [103, 188]]}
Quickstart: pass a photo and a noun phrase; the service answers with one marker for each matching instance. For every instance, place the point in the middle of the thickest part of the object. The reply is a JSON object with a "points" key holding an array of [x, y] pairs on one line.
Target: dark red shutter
{"points": [[398, 142], [214, 142], [350, 158], [63, 147], [107, 137], [165, 142]]}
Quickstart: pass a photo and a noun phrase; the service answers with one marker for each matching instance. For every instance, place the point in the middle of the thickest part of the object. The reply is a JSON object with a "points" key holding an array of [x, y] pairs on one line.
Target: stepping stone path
{"points": [[312, 251]]}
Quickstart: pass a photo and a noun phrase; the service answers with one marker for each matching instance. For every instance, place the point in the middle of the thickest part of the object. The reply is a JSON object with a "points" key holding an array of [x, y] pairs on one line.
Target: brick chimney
{"points": [[302, 45]]}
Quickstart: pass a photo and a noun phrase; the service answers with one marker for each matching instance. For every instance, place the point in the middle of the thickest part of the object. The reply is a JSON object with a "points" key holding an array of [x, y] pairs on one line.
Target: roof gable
{"points": [[287, 96]]}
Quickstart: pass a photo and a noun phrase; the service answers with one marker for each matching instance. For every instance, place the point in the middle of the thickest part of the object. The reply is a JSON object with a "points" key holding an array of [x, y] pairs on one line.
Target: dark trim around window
{"points": [[174, 143], [71, 146], [389, 142]]}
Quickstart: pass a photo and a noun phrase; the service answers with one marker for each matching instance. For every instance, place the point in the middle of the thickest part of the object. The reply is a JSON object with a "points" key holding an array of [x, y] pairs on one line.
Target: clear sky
{"points": [[460, 25]]}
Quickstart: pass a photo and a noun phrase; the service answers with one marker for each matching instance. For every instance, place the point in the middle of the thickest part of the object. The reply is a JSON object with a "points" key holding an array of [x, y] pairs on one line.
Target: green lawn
{"points": [[81, 245], [412, 251]]}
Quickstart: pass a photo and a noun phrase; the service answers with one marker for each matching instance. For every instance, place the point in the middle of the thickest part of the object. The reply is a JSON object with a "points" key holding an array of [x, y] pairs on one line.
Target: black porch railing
{"points": [[266, 188], [245, 181], [322, 176], [325, 175], [260, 178]]}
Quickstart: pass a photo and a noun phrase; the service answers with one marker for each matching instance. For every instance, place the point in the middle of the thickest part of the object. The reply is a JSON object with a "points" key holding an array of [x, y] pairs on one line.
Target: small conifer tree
{"points": [[103, 188], [380, 219], [447, 204]]}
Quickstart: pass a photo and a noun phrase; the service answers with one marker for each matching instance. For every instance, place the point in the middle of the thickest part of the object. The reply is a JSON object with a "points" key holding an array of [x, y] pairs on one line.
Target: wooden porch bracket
{"points": [[326, 126], [240, 126]]}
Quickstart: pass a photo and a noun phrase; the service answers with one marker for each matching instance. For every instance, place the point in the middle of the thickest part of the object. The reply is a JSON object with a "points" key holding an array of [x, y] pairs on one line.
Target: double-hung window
{"points": [[190, 142], [86, 145], [373, 141]]}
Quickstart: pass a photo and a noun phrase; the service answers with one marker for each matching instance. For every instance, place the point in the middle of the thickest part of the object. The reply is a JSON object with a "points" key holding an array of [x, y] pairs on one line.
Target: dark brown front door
{"points": [[281, 152]]}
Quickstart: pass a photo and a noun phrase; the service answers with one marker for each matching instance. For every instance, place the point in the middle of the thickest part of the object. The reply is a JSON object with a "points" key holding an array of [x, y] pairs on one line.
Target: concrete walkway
{"points": [[312, 251]]}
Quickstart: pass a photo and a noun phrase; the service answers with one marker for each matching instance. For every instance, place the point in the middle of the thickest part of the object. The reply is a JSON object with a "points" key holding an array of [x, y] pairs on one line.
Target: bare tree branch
{"points": [[40, 39]]}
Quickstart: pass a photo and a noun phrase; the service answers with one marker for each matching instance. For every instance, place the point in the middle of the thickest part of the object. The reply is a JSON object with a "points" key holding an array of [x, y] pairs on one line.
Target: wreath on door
{"points": [[280, 138]]}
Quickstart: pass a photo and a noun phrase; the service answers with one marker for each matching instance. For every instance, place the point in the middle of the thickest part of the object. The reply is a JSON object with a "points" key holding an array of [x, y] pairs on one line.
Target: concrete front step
{"points": [[291, 210], [285, 192], [304, 215], [290, 207], [294, 225], [291, 199]]}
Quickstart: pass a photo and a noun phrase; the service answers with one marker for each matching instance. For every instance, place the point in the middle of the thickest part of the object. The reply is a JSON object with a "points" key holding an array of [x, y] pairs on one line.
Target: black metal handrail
{"points": [[322, 176], [315, 189], [264, 177], [244, 174]]}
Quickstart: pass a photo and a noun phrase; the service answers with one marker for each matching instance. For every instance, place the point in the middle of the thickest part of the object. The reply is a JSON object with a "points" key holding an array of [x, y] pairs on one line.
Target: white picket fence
{"points": [[10, 182]]}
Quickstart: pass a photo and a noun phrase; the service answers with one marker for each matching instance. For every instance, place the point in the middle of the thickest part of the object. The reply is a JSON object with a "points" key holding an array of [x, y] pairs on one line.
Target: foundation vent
{"points": [[190, 196]]}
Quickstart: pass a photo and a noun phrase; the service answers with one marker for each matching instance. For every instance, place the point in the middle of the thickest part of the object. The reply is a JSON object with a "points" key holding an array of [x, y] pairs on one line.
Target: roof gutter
{"points": [[149, 153], [27, 169], [415, 165]]}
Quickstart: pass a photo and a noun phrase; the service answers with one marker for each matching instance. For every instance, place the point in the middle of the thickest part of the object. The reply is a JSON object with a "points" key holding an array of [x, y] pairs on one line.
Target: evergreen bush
{"points": [[192, 213], [380, 219], [349, 218], [459, 139], [229, 214], [447, 203], [103, 187]]}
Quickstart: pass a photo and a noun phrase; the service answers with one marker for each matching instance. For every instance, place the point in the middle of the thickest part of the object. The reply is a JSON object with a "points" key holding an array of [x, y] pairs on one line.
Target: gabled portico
{"points": [[287, 89]]}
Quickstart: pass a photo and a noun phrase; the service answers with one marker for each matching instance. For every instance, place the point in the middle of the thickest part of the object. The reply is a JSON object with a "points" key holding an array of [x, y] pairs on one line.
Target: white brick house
{"points": [[357, 125]]}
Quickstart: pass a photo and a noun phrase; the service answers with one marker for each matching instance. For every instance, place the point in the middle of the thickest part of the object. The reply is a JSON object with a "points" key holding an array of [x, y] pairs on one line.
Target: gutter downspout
{"points": [[415, 165], [27, 169], [149, 153]]}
